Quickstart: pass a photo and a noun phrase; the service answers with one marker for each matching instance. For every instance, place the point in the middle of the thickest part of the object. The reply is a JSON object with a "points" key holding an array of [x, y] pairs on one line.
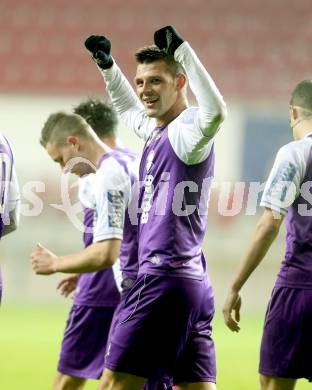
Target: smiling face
{"points": [[159, 90]]}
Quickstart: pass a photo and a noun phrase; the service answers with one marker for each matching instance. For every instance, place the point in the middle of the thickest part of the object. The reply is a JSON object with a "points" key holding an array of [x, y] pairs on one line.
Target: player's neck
{"points": [[112, 142], [302, 129], [96, 150], [172, 113]]}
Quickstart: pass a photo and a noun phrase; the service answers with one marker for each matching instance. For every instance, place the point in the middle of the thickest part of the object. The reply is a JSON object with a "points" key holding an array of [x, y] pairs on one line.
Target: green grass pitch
{"points": [[30, 339]]}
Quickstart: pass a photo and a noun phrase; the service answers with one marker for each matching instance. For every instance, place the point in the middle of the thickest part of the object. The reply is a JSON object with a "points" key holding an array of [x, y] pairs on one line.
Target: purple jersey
{"points": [[296, 270], [173, 201], [176, 169], [288, 190], [103, 204]]}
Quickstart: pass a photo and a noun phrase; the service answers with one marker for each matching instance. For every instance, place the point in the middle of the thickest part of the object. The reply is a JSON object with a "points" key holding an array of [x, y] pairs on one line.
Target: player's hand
{"points": [[233, 302], [168, 39], [68, 285], [100, 48], [43, 261]]}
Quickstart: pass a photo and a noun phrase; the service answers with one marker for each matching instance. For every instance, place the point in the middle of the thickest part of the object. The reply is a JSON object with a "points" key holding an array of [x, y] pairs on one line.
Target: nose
{"points": [[146, 88]]}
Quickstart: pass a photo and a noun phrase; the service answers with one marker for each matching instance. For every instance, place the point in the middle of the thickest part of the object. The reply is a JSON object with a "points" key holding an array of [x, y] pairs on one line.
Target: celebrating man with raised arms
{"points": [[165, 323]]}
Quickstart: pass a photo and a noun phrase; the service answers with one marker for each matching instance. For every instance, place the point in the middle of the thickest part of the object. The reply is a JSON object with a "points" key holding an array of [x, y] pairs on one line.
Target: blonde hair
{"points": [[60, 125]]}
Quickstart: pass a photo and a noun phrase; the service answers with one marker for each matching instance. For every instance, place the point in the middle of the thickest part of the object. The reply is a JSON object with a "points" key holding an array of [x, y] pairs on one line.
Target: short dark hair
{"points": [[99, 115], [302, 96], [149, 54], [60, 125]]}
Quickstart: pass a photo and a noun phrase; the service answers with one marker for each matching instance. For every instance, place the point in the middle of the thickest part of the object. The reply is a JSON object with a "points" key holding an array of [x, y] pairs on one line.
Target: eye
{"points": [[156, 80], [139, 83]]}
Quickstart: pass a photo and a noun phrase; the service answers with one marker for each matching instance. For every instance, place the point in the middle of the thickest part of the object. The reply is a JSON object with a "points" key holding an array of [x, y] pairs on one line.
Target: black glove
{"points": [[100, 48], [168, 39]]}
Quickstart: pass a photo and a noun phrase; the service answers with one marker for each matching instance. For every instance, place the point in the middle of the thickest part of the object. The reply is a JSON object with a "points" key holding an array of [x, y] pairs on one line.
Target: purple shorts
{"points": [[84, 341], [286, 348], [160, 383], [164, 329]]}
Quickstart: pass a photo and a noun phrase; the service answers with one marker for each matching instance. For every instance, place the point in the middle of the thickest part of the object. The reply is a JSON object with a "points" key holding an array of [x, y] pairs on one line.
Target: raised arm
{"points": [[122, 95], [191, 133], [212, 108]]}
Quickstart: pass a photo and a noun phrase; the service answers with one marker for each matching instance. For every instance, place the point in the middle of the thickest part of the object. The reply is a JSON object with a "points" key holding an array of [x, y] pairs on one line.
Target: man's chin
{"points": [[81, 174], [82, 171], [75, 173], [151, 113]]}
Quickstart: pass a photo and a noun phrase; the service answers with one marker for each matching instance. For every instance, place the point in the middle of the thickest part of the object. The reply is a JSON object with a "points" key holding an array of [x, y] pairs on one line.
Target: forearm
{"points": [[212, 108], [96, 257], [120, 91], [263, 237]]}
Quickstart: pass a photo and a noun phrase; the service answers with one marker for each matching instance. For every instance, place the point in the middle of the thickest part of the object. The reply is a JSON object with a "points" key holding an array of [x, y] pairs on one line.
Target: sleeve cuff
{"points": [[110, 236], [108, 74], [275, 208]]}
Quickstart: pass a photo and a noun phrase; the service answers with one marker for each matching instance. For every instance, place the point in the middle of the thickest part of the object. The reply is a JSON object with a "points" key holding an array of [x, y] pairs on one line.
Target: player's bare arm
{"points": [[98, 256], [266, 231]]}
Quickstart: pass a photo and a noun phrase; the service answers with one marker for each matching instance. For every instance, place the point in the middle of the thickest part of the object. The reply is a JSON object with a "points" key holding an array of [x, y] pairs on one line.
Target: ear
{"points": [[73, 140], [181, 81], [294, 112]]}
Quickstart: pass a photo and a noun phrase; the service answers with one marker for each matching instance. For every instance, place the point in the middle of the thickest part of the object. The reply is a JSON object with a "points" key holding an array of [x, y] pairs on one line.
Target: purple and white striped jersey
{"points": [[105, 196]]}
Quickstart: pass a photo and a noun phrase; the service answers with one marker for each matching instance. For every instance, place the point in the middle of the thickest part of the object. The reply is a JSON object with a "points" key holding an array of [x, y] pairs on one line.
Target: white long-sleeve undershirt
{"points": [[191, 133]]}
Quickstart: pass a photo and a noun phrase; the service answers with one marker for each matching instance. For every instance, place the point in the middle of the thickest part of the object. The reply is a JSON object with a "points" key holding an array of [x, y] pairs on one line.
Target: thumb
{"points": [[39, 246], [101, 55]]}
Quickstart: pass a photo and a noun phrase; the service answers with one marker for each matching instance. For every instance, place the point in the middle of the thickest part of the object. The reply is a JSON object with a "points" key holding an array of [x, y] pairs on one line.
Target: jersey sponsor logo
{"points": [[115, 208], [147, 197], [148, 188]]}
